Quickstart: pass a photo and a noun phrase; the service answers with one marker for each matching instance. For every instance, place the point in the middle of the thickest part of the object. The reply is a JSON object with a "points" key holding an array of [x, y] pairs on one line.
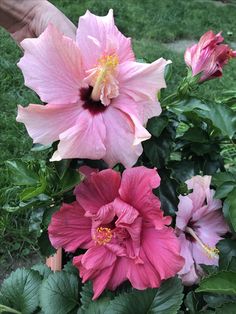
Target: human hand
{"points": [[29, 18]]}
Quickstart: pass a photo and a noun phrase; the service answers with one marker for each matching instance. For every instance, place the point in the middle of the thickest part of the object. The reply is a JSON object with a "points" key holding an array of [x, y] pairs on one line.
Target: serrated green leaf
{"points": [[86, 295], [221, 282], [42, 269], [165, 300], [98, 307], [20, 290], [21, 174], [59, 293], [71, 269]]}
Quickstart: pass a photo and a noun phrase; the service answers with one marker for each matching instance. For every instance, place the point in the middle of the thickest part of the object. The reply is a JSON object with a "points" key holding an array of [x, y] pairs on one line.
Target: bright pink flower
{"points": [[120, 223], [98, 97], [208, 56], [199, 226]]}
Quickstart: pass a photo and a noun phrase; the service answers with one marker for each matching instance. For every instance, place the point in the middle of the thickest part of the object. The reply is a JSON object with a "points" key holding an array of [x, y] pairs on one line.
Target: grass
{"points": [[152, 24]]}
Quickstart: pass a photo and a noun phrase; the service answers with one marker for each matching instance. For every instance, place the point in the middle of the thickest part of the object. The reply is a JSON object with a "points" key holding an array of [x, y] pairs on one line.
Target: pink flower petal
{"points": [[136, 189], [185, 211], [69, 228], [120, 136], [168, 261], [186, 253], [98, 190], [98, 36], [85, 139], [45, 123], [129, 107], [192, 277], [143, 276], [52, 67], [98, 258], [201, 190], [142, 81]]}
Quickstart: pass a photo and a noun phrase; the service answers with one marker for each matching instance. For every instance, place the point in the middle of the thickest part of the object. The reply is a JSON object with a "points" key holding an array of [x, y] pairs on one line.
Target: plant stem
{"points": [[4, 308]]}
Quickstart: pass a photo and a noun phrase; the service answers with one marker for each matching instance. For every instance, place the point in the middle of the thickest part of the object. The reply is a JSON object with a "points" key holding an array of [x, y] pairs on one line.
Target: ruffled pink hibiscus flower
{"points": [[199, 226], [98, 97], [208, 56], [119, 222]]}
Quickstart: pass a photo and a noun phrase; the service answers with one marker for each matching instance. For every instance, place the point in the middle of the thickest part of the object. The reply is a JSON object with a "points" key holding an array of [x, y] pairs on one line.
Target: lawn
{"points": [[153, 25]]}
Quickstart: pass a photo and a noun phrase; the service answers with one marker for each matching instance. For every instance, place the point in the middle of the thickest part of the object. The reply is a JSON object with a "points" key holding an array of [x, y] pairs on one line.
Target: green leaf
{"points": [[167, 193], [224, 189], [196, 135], [20, 290], [221, 282], [222, 177], [47, 215], [69, 180], [42, 269], [71, 269], [227, 308], [182, 170], [165, 300], [156, 125], [98, 307], [216, 300], [222, 117], [39, 147], [86, 295], [46, 249], [191, 303], [231, 203], [33, 191], [21, 174], [59, 293], [227, 248], [36, 220]]}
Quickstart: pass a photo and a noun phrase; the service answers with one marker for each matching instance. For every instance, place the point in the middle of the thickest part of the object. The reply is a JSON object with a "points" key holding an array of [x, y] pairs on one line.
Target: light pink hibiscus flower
{"points": [[199, 226], [208, 56], [120, 223], [98, 97]]}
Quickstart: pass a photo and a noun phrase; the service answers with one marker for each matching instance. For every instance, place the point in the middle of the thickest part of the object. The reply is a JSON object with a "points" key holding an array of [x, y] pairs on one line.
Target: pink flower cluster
{"points": [[120, 223], [99, 100], [208, 56]]}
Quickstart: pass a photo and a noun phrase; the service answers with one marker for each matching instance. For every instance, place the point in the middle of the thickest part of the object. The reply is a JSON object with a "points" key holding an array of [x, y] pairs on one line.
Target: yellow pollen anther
{"points": [[211, 252], [103, 235], [106, 66]]}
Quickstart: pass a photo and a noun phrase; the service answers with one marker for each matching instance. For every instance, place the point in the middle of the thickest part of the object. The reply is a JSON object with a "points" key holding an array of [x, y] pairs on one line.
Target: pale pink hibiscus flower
{"points": [[208, 56], [99, 99], [120, 223], [199, 226]]}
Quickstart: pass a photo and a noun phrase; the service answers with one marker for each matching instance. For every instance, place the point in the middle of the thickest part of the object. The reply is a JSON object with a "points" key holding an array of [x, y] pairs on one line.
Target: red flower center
{"points": [[93, 106]]}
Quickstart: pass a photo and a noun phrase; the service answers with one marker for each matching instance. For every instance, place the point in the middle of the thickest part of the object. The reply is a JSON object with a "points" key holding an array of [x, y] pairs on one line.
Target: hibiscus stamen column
{"points": [[211, 251], [104, 76]]}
